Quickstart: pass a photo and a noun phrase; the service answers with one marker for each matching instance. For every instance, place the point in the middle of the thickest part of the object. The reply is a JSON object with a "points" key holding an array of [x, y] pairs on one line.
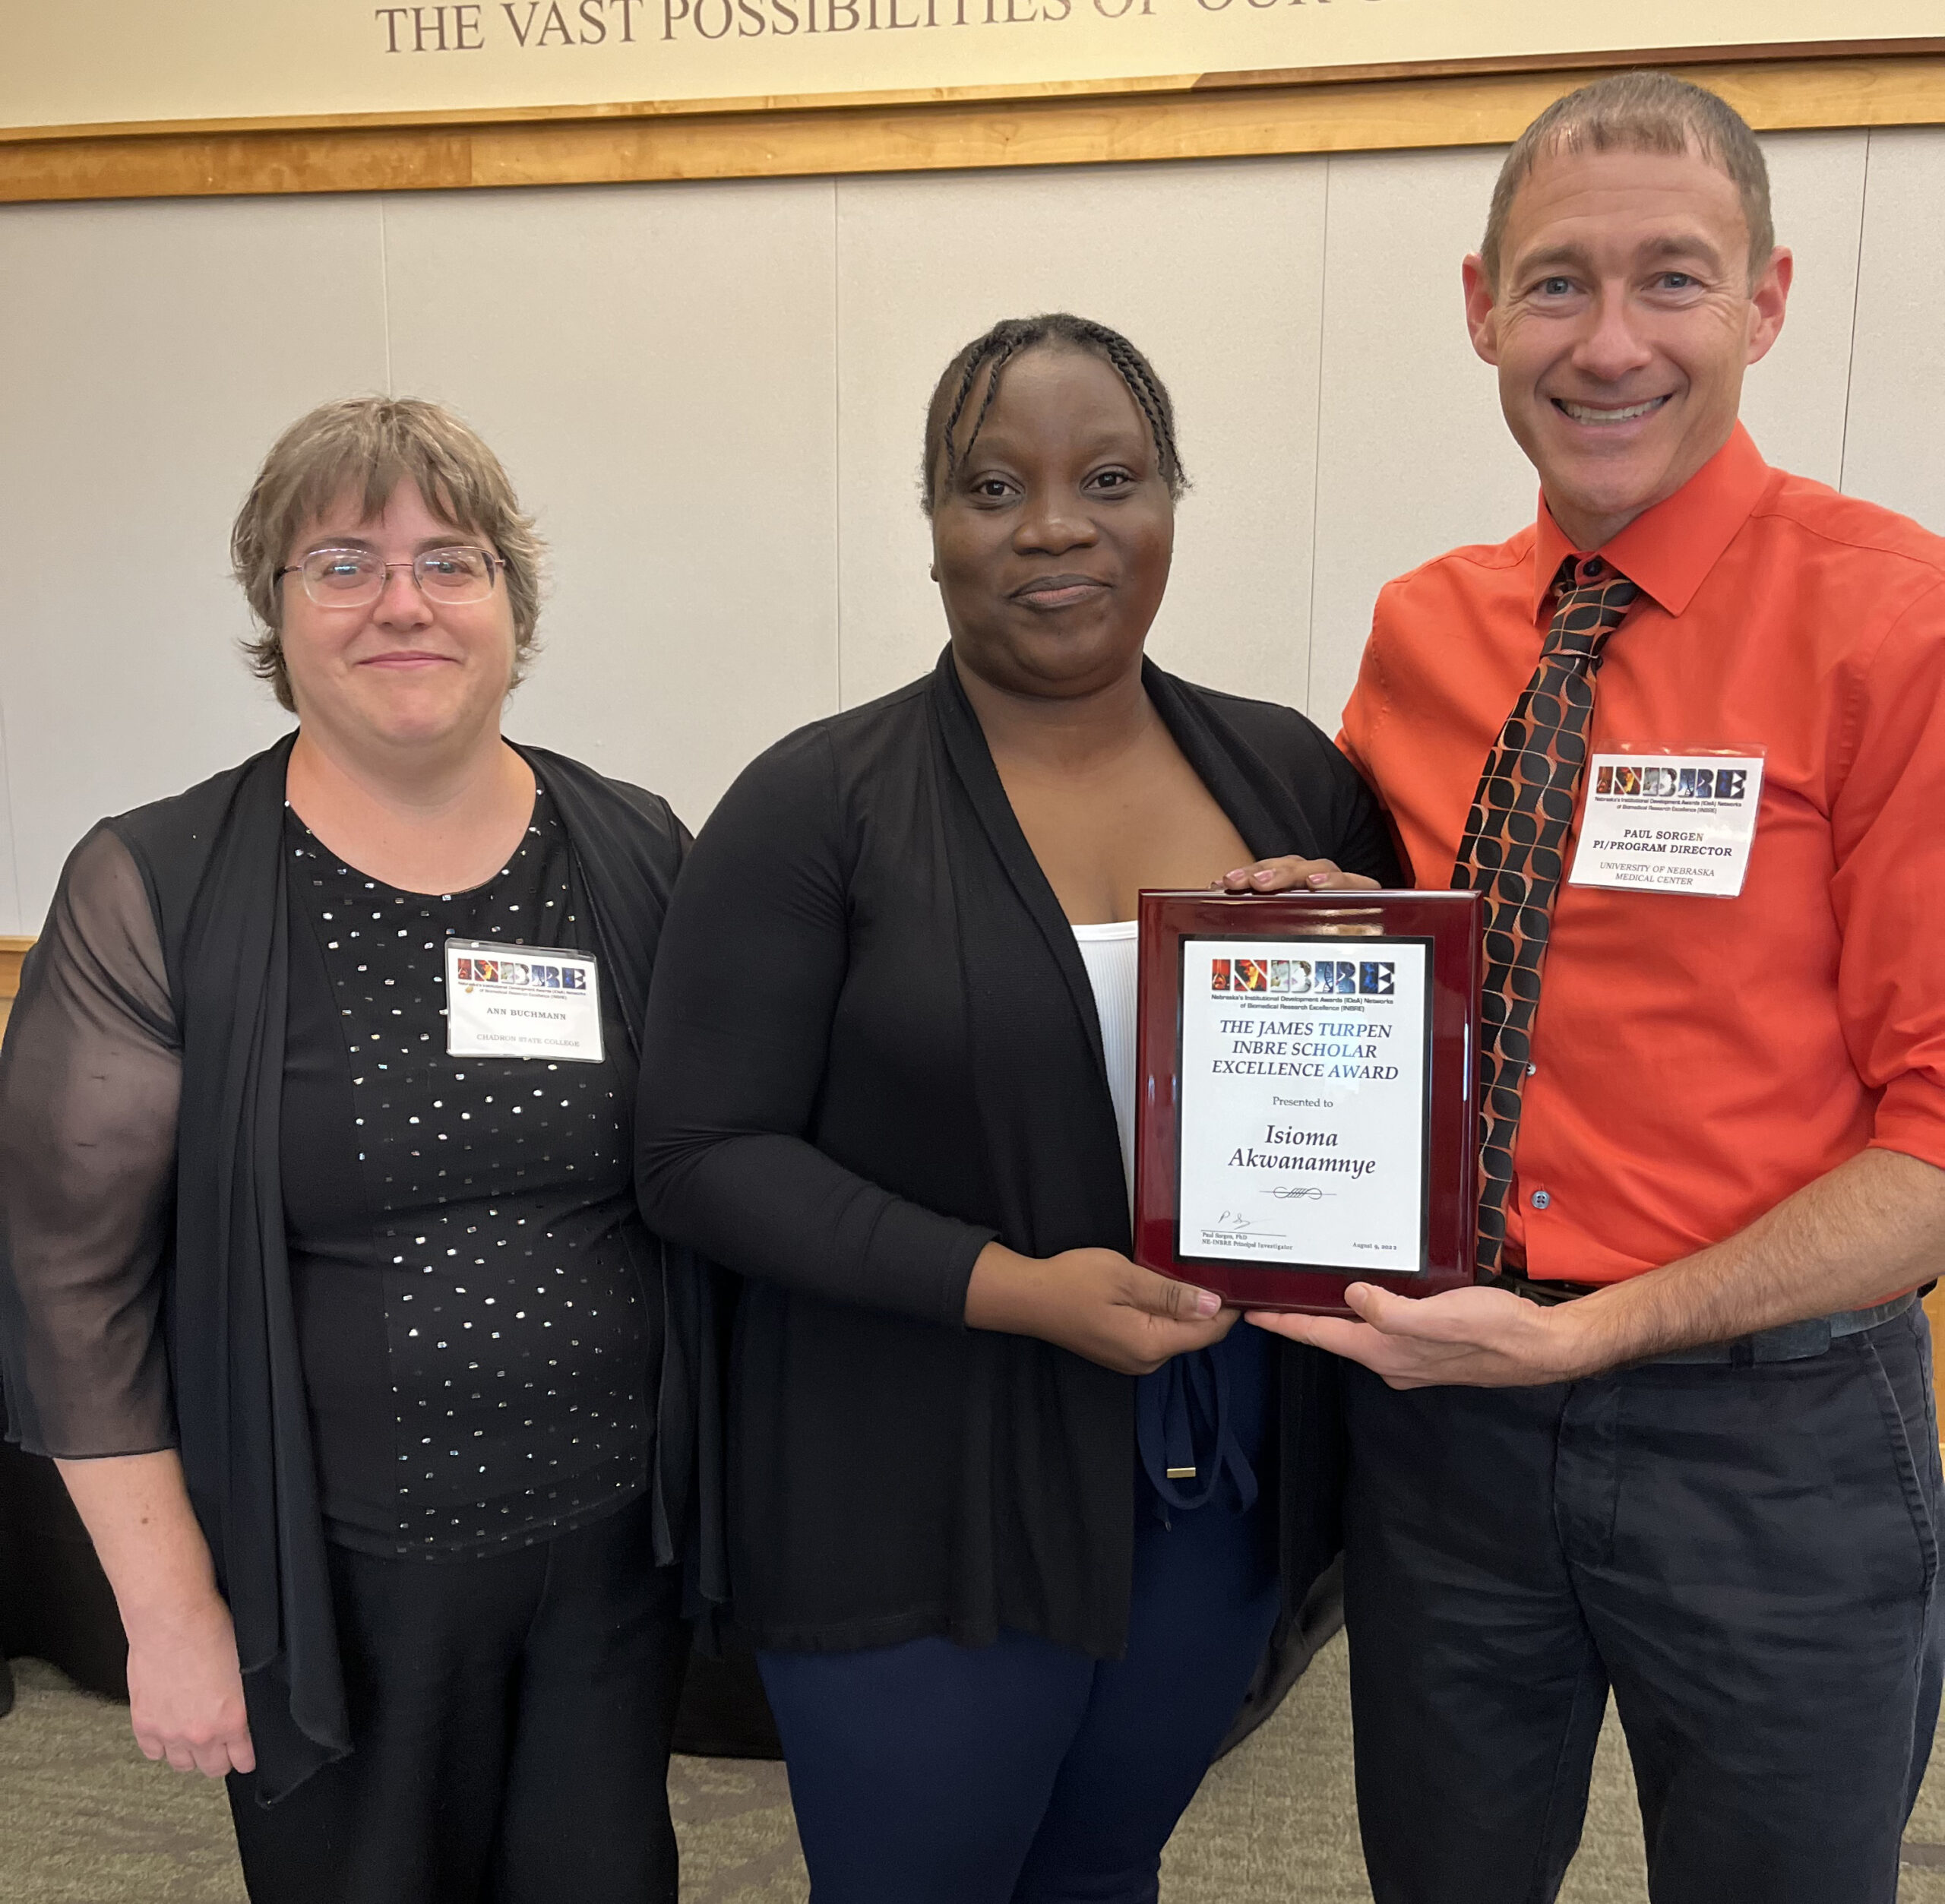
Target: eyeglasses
{"points": [[354, 578]]}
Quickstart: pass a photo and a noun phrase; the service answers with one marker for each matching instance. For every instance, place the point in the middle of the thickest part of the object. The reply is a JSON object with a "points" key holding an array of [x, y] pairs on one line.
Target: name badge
{"points": [[521, 1001], [1668, 823]]}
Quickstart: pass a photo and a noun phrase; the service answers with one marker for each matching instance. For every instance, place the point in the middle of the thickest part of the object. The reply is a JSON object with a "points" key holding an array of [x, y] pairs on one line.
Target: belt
{"points": [[1792, 1342]]}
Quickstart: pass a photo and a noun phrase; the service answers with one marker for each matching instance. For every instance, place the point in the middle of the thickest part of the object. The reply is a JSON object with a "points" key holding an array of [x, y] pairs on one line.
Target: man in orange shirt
{"points": [[1686, 734]]}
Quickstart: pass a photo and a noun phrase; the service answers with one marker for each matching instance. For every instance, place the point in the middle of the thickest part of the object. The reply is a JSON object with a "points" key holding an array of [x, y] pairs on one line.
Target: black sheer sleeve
{"points": [[730, 1077], [91, 1082]]}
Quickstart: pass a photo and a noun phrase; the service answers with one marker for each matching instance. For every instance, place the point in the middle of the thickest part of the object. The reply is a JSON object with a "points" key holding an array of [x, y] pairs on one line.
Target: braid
{"points": [[1145, 387], [1012, 337], [975, 355], [1001, 355]]}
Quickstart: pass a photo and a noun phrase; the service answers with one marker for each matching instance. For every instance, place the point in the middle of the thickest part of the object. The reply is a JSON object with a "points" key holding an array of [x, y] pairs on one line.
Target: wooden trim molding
{"points": [[1184, 116], [13, 950]]}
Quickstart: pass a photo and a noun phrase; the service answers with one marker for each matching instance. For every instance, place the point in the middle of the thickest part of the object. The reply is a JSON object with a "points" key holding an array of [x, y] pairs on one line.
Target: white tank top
{"points": [[1110, 954]]}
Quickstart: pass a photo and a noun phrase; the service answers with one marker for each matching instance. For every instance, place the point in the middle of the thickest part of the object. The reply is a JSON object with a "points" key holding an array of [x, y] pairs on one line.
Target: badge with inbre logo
{"points": [[521, 1001], [1668, 823]]}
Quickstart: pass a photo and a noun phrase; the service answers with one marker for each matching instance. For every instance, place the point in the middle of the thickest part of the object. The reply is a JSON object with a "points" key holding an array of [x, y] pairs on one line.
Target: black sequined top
{"points": [[467, 1261]]}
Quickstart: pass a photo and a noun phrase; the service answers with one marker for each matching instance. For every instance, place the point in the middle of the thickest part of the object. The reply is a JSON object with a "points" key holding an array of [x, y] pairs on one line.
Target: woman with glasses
{"points": [[323, 1279]]}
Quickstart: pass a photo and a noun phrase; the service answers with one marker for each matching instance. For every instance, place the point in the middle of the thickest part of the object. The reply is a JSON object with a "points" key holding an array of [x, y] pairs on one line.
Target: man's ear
{"points": [[1767, 297], [1481, 308]]}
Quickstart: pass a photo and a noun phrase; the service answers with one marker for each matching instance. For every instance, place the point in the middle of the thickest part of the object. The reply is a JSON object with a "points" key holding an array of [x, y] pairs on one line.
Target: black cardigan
{"points": [[208, 1285], [870, 1048]]}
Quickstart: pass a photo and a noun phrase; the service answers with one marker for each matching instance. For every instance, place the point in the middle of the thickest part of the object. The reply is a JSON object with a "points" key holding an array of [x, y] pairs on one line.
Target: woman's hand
{"points": [[1296, 876], [1096, 1303], [185, 1689]]}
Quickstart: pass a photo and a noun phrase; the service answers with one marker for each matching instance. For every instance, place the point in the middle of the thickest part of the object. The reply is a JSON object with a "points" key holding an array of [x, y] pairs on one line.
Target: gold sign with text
{"points": [[125, 62]]}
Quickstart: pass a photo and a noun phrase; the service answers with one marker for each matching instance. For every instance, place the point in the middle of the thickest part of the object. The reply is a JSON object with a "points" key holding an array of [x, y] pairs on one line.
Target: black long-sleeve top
{"points": [[870, 1048], [148, 1296], [477, 1303]]}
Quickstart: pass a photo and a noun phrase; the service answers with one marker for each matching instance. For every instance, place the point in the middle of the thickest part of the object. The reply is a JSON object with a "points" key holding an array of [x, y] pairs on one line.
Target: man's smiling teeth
{"points": [[1589, 413]]}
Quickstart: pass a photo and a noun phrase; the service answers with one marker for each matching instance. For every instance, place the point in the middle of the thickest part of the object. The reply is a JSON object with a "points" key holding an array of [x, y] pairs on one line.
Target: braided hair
{"points": [[1013, 337]]}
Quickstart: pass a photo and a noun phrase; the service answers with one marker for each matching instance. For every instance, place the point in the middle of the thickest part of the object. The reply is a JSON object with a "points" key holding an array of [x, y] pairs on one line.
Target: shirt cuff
{"points": [[928, 1262], [1911, 1119]]}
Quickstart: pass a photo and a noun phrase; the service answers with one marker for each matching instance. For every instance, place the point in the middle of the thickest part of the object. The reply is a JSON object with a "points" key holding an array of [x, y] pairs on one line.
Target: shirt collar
{"points": [[1668, 550]]}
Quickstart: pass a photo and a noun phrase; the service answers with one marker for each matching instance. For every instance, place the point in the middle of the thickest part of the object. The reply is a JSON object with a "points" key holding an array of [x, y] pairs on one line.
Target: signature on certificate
{"points": [[1231, 1223]]}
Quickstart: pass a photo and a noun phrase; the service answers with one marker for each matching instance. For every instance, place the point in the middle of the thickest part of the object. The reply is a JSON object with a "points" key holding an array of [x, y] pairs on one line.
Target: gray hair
{"points": [[365, 447], [1640, 112]]}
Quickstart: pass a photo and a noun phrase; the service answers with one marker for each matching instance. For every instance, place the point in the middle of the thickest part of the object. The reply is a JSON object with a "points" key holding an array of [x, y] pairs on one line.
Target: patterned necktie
{"points": [[1512, 854]]}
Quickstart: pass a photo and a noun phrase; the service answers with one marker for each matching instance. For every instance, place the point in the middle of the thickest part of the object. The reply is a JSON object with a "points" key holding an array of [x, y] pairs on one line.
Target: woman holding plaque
{"points": [[1011, 1519], [324, 1281]]}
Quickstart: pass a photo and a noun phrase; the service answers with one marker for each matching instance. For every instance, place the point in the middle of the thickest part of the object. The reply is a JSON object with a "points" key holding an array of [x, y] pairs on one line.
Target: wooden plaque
{"points": [[1306, 1114]]}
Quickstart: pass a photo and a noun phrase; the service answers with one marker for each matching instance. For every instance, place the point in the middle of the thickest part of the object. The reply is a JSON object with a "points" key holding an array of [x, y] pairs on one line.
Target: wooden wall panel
{"points": [[13, 950], [1212, 115]]}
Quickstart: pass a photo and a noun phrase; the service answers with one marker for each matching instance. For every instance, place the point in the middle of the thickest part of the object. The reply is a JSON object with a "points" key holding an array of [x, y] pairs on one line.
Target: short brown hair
{"points": [[365, 447], [1640, 112]]}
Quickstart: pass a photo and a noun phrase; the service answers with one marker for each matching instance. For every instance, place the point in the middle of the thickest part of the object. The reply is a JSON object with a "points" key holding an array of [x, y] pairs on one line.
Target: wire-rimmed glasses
{"points": [[354, 578]]}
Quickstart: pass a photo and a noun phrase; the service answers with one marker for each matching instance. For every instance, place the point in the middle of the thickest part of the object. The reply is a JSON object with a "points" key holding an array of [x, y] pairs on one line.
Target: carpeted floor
{"points": [[85, 1820]]}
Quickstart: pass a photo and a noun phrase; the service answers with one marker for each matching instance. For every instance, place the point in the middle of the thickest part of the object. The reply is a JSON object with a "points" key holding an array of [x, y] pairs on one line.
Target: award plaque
{"points": [[1307, 1100]]}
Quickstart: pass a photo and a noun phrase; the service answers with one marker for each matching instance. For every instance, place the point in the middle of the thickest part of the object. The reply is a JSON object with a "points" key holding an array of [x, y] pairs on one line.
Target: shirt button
{"points": [[1531, 1069], [1542, 1198], [1592, 569]]}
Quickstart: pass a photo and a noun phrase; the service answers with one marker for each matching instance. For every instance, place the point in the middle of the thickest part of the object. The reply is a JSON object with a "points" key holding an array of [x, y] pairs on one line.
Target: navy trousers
{"points": [[1746, 1555], [1027, 1773]]}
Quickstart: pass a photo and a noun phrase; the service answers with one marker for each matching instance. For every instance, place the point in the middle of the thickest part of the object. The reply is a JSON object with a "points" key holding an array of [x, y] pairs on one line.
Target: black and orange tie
{"points": [[1512, 853]]}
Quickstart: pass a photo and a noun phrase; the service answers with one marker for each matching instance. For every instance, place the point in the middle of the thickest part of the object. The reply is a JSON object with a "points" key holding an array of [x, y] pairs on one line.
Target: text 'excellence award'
{"points": [[1307, 1101]]}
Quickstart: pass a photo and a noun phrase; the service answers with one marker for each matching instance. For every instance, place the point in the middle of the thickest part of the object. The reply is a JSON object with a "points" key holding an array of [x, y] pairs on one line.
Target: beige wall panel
{"points": [[1414, 456], [153, 352], [712, 393], [1793, 401], [654, 364], [1895, 447], [1212, 269]]}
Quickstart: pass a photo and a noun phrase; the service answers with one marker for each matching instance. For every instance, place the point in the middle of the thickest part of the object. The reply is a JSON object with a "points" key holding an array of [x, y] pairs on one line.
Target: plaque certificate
{"points": [[1303, 1109], [1306, 1116]]}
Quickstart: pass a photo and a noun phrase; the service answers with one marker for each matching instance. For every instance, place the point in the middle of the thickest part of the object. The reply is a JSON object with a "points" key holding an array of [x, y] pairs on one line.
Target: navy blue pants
{"points": [[1747, 1556], [1026, 1772]]}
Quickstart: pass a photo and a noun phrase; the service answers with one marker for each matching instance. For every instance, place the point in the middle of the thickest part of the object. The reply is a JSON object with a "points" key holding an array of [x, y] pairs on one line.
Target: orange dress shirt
{"points": [[1697, 1059]]}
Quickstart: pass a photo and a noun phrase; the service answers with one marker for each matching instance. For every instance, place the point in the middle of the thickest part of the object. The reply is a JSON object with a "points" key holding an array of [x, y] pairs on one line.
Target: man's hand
{"points": [[1096, 1303], [1296, 876], [1467, 1338], [1852, 1239]]}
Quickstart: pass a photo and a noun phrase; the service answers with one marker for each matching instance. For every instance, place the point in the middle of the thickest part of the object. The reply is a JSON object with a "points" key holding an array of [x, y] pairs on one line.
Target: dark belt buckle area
{"points": [[1792, 1342], [1548, 1294]]}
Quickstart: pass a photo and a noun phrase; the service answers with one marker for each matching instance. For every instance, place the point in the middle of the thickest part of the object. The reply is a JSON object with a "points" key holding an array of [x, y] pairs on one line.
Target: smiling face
{"points": [[1625, 315], [1051, 541], [402, 671]]}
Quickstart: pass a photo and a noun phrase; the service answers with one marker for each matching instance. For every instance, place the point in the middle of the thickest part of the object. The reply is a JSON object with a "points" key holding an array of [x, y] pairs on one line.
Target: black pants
{"points": [[1746, 1555], [510, 1716]]}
